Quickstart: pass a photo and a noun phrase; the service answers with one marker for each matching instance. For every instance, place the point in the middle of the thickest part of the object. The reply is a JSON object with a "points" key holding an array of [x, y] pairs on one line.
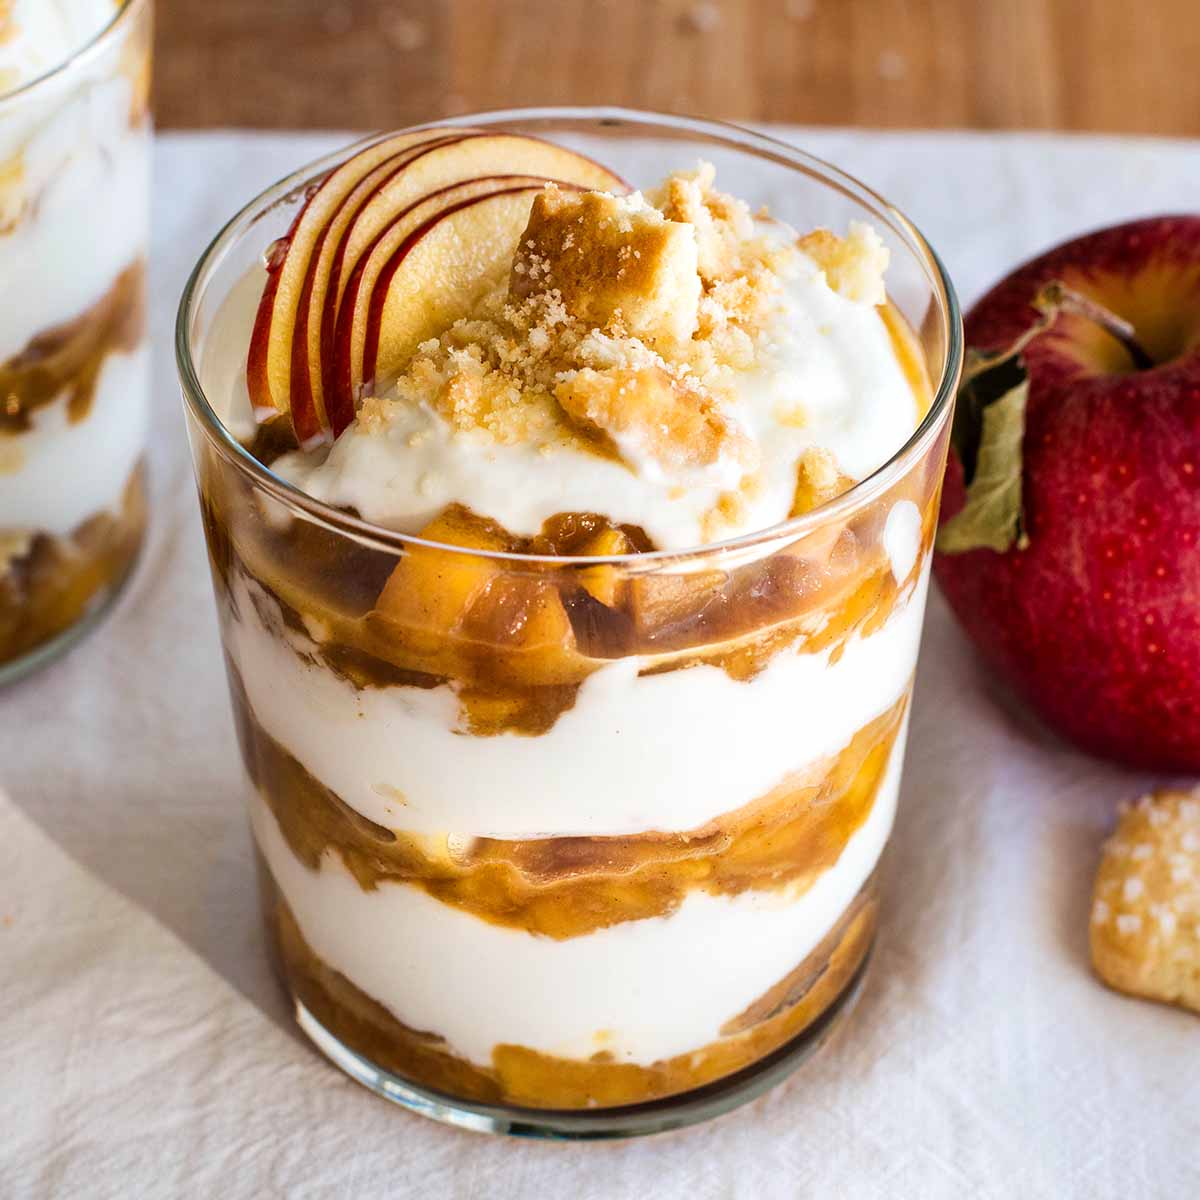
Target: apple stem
{"points": [[1058, 297]]}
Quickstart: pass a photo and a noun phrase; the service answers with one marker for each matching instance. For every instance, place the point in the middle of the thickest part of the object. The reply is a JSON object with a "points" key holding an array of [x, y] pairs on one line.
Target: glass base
{"points": [[44, 654], [634, 1120]]}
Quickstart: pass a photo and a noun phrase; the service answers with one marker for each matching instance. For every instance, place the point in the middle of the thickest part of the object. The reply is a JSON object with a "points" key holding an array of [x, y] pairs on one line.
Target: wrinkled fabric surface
{"points": [[145, 1049]]}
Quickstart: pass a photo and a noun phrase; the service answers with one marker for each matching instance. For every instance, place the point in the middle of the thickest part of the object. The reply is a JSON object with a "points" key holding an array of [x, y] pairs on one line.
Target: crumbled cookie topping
{"points": [[665, 417], [1145, 925], [854, 266], [817, 480], [611, 259], [722, 223], [620, 329]]}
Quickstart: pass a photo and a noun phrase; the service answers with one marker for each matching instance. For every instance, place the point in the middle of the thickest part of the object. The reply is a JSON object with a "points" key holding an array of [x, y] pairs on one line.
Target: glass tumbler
{"points": [[74, 359], [581, 844]]}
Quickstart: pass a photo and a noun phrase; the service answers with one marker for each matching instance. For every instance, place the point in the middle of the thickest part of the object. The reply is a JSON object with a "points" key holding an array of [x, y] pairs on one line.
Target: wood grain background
{"points": [[1113, 65]]}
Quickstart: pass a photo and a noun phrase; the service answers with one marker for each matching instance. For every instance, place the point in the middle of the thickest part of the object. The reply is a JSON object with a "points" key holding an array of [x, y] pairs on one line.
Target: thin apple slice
{"points": [[313, 339], [321, 369], [430, 171], [481, 157], [439, 275], [269, 359], [293, 341], [433, 278], [382, 261]]}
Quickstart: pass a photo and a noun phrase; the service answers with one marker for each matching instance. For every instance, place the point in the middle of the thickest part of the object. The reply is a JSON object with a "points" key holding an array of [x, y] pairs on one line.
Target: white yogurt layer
{"points": [[643, 990], [667, 752], [821, 355], [902, 538], [60, 473], [42, 34]]}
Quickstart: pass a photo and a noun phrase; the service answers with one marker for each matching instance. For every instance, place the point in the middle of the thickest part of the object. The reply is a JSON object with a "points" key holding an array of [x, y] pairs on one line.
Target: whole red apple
{"points": [[1069, 545]]}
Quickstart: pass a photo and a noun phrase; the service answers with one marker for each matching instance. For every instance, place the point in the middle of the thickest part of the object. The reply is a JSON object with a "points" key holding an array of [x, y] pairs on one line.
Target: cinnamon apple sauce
{"points": [[570, 547], [74, 358]]}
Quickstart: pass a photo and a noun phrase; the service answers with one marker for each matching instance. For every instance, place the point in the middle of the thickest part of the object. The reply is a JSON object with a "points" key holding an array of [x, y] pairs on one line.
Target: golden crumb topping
{"points": [[818, 480], [611, 259], [854, 266], [667, 418], [621, 327], [1145, 926], [722, 223]]}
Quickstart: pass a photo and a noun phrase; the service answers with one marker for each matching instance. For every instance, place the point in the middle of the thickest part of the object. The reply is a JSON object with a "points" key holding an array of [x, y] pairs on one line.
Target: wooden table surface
{"points": [[1113, 65]]}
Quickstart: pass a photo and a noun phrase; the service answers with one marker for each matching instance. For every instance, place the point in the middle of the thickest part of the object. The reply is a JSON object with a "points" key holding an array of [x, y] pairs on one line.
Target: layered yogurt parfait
{"points": [[571, 545], [74, 215]]}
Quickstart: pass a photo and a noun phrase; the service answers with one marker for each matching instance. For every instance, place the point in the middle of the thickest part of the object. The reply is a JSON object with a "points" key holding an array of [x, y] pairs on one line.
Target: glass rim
{"points": [[91, 48], [744, 139]]}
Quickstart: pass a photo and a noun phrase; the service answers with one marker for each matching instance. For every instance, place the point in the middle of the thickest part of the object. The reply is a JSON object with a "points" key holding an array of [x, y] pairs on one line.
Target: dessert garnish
{"points": [[387, 251], [1145, 926], [689, 358]]}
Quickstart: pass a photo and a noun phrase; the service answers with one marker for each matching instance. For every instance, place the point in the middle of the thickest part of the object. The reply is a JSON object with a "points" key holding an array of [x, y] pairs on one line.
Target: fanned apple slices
{"points": [[390, 248], [421, 274]]}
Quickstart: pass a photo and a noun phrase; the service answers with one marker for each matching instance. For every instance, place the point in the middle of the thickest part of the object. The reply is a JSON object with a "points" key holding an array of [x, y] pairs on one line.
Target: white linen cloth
{"points": [[145, 1048]]}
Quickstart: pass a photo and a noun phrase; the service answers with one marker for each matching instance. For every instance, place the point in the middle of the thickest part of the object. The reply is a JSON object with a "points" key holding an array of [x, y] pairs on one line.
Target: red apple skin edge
{"points": [[1097, 622]]}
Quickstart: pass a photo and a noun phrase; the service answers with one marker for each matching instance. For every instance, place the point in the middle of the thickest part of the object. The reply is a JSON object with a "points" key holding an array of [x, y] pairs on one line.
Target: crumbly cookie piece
{"points": [[854, 266], [613, 261], [818, 480], [1145, 927], [619, 328], [723, 223], [651, 413]]}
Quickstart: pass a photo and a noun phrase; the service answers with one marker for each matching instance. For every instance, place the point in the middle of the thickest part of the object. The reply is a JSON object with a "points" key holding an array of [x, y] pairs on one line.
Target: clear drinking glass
{"points": [[565, 845], [74, 359]]}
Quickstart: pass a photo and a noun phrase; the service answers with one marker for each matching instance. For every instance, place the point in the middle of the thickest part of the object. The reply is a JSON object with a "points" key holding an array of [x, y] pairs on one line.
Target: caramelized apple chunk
{"points": [[528, 640], [601, 582], [472, 617], [430, 591], [614, 261], [582, 533], [663, 604]]}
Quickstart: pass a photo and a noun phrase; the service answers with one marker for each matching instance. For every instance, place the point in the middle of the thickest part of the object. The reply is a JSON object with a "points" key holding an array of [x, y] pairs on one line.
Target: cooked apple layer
{"points": [[67, 360], [49, 583], [517, 640], [521, 1076], [565, 887]]}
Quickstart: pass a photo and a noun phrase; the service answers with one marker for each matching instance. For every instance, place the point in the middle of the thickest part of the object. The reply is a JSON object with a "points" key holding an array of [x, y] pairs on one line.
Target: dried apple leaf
{"points": [[989, 424], [986, 378], [990, 448], [993, 515]]}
